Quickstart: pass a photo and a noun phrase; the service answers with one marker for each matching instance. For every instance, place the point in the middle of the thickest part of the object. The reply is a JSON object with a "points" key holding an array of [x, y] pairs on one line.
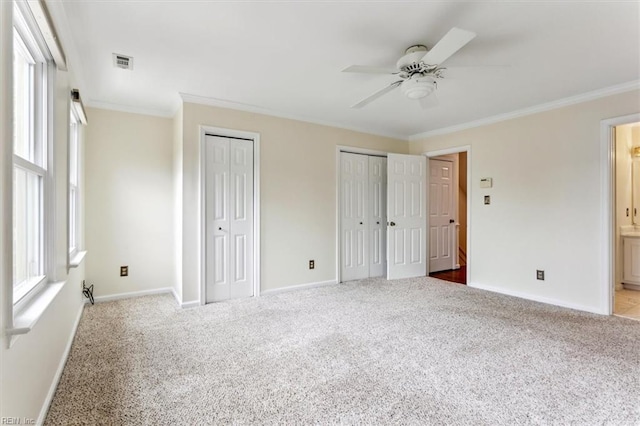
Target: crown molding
{"points": [[222, 103], [130, 109], [572, 100]]}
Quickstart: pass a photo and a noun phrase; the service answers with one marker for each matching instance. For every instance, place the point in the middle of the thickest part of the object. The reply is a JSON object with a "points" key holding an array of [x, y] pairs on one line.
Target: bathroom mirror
{"points": [[635, 188]]}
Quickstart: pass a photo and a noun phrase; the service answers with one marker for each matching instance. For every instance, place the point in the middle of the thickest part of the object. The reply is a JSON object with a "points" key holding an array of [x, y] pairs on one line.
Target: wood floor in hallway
{"points": [[453, 275]]}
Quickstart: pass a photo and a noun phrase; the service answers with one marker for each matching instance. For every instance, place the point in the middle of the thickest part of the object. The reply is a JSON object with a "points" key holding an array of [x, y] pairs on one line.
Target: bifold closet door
{"points": [[377, 216], [354, 198], [228, 218]]}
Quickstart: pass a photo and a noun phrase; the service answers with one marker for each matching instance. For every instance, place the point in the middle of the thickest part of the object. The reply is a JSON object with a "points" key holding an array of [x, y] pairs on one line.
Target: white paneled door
{"points": [[377, 216], [363, 180], [442, 244], [406, 216], [354, 211], [228, 218]]}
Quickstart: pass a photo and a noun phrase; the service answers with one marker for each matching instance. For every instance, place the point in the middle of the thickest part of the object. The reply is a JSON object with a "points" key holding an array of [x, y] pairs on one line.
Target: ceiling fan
{"points": [[418, 69]]}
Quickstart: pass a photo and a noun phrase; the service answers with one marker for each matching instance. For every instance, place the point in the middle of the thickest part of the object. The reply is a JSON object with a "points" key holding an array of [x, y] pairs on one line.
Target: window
{"points": [[74, 193], [30, 159]]}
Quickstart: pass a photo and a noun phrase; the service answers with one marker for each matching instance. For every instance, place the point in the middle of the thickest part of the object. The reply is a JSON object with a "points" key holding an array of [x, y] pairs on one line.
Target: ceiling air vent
{"points": [[122, 61]]}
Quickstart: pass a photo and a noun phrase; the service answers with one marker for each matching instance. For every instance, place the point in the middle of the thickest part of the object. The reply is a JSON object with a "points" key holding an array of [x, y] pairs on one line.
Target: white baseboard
{"points": [[129, 295], [535, 298], [175, 296], [297, 287], [63, 362], [631, 286], [192, 304]]}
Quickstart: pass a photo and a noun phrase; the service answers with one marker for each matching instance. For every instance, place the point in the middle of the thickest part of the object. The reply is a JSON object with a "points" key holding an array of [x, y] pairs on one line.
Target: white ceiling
{"points": [[286, 58]]}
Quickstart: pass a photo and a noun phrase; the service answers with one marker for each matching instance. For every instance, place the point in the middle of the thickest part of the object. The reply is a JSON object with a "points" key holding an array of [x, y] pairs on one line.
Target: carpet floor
{"points": [[415, 351]]}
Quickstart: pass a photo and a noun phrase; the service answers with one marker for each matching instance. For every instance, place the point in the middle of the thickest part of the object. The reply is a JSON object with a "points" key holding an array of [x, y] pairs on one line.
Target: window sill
{"points": [[28, 316], [77, 259]]}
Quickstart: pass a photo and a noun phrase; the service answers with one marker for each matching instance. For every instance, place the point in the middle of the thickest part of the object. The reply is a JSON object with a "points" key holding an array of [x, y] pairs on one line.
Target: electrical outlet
{"points": [[312, 264], [124, 271], [487, 199], [540, 275]]}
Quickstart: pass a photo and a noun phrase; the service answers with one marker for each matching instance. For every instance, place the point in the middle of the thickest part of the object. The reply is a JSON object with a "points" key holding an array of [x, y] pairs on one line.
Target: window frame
{"points": [[27, 36], [73, 205]]}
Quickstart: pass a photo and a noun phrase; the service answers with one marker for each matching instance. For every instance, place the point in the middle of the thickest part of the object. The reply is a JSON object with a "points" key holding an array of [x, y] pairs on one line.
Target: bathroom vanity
{"points": [[631, 259]]}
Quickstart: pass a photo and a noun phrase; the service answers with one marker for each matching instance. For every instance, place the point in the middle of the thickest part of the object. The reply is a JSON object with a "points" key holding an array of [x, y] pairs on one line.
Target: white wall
{"points": [[129, 203], [298, 193], [545, 201], [177, 202], [29, 370]]}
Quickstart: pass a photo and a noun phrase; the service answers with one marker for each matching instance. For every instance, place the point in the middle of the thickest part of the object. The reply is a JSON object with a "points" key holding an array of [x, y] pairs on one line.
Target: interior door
{"points": [[377, 216], [441, 216], [406, 216], [354, 170], [228, 218]]}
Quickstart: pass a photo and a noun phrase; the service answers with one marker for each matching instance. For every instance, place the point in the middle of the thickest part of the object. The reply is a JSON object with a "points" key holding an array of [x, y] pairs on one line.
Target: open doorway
{"points": [[448, 215], [626, 215]]}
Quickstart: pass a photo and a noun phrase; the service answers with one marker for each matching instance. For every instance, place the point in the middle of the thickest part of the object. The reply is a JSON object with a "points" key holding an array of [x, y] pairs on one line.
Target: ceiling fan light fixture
{"points": [[418, 87]]}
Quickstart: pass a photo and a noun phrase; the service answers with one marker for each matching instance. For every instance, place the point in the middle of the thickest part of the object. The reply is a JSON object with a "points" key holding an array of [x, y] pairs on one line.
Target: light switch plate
{"points": [[486, 183], [487, 199]]}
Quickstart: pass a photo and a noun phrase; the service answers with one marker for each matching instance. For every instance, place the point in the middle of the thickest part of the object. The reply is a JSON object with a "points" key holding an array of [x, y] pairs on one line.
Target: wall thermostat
{"points": [[486, 183]]}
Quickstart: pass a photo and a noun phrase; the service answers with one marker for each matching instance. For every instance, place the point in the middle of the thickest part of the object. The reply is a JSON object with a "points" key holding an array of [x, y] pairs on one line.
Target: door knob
{"points": [[392, 224], [377, 223], [451, 220], [360, 223]]}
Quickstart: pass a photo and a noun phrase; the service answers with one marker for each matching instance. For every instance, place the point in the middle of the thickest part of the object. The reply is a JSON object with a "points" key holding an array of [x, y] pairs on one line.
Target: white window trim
{"points": [[20, 317], [42, 114], [74, 127], [77, 113]]}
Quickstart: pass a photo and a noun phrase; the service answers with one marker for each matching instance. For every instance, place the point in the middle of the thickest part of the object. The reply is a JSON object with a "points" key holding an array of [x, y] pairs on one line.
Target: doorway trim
{"points": [[239, 134], [607, 212], [353, 150], [457, 150]]}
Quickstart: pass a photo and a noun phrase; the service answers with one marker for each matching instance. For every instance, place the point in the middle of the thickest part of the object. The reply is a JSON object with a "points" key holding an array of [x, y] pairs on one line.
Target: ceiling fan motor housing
{"points": [[418, 87], [413, 56]]}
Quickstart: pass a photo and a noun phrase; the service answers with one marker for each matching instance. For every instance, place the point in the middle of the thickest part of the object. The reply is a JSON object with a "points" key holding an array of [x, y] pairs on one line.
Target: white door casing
{"points": [[407, 216], [377, 216], [228, 218], [354, 199], [442, 248]]}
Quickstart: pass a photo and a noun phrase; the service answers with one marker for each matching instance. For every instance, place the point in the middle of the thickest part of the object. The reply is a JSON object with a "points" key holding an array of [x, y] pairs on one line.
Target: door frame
{"points": [[238, 134], [455, 261], [352, 150], [448, 151], [607, 211]]}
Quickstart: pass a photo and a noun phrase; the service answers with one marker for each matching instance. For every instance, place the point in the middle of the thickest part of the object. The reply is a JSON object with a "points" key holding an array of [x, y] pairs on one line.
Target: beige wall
{"points": [[298, 193], [545, 201], [129, 203]]}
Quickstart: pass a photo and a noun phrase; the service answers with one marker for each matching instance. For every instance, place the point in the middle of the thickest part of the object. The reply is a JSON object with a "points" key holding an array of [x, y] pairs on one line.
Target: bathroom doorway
{"points": [[626, 218]]}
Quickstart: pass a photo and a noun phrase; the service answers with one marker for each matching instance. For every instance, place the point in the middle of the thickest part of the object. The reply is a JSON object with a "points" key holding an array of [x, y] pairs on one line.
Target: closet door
{"points": [[377, 216], [228, 218], [354, 239]]}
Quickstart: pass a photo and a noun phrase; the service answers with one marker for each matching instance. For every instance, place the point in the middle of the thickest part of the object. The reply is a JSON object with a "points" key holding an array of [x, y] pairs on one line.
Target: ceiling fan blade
{"points": [[364, 69], [430, 101], [453, 41], [376, 95]]}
